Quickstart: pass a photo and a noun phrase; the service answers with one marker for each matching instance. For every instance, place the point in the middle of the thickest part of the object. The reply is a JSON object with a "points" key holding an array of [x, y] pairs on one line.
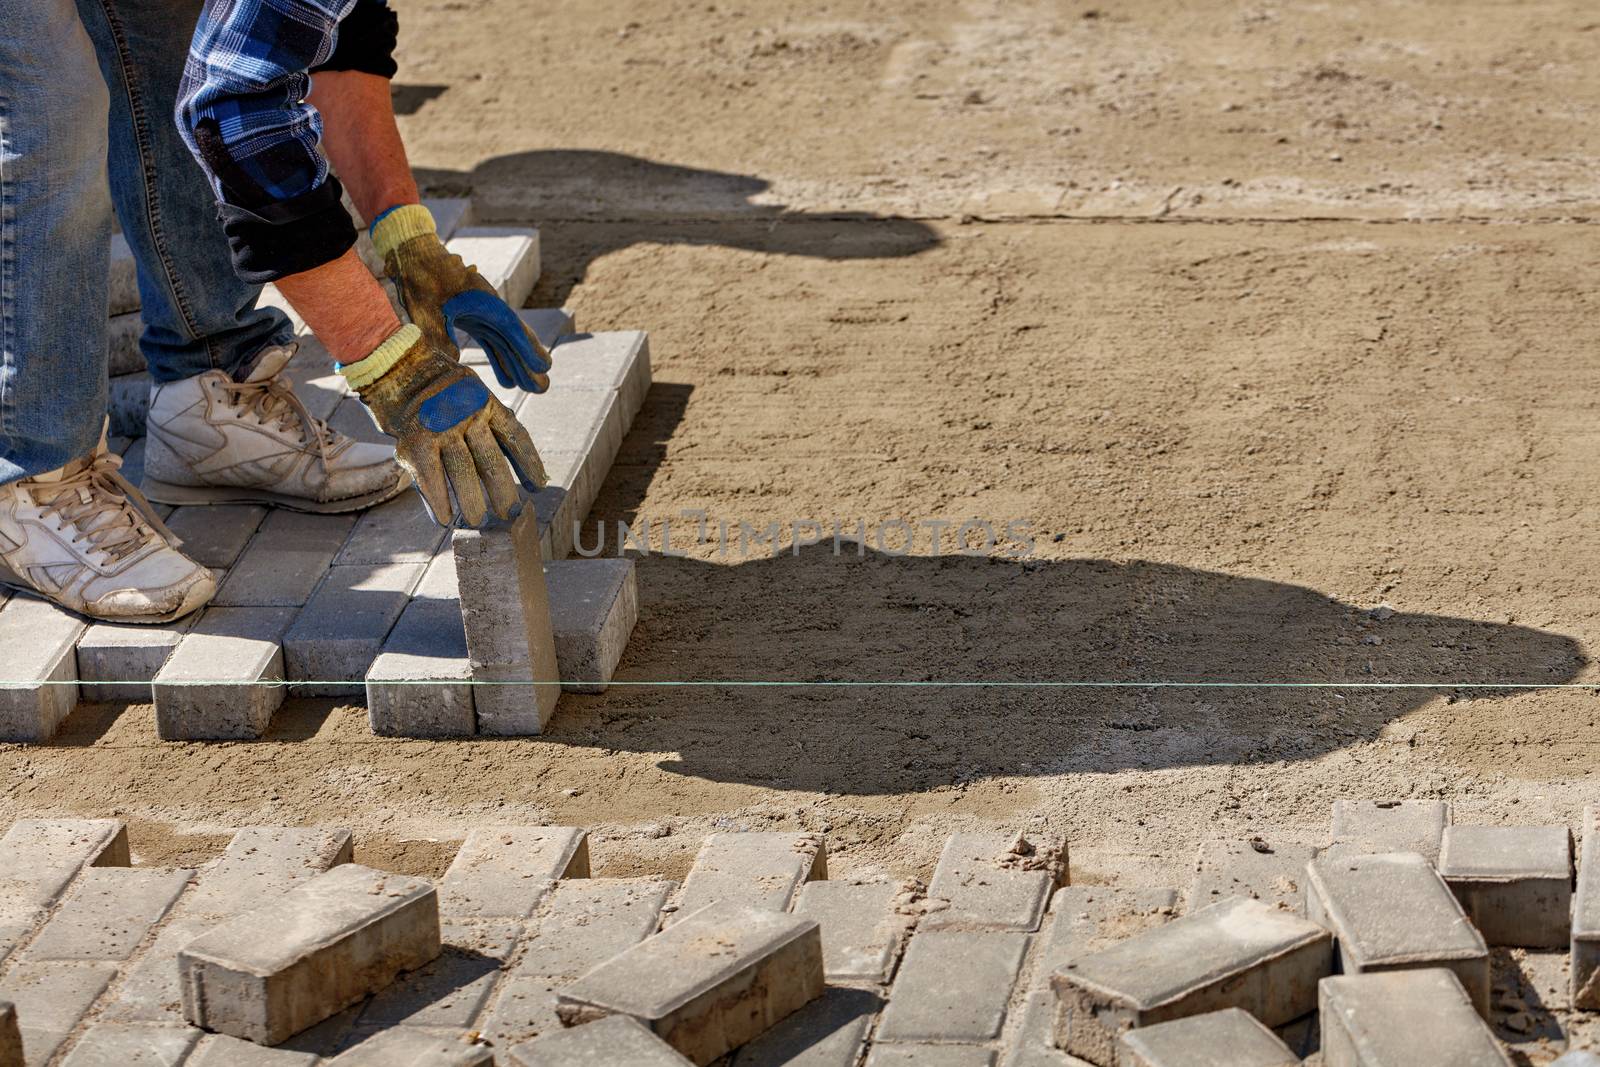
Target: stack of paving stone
{"points": [[1373, 950], [361, 604]]}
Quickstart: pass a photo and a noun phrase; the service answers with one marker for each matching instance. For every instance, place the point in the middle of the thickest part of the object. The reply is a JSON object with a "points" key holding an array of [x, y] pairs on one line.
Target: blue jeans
{"points": [[87, 92]]}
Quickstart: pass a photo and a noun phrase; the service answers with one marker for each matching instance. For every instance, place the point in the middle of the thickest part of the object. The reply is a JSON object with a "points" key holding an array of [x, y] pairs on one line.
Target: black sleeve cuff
{"points": [[366, 40], [289, 236]]}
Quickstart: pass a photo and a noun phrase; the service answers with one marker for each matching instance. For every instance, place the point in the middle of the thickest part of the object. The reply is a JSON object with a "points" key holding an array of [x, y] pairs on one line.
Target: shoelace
{"points": [[276, 404], [102, 507]]}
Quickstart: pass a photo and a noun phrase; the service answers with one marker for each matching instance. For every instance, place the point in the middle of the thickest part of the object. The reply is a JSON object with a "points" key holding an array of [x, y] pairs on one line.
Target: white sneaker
{"points": [[86, 539], [213, 440]]}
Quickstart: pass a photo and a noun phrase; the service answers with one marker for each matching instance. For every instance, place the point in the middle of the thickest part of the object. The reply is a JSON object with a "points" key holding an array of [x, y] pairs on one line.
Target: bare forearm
{"points": [[344, 305], [361, 138]]}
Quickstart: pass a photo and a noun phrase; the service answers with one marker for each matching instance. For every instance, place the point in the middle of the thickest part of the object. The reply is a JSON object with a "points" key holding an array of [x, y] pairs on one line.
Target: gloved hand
{"points": [[450, 432], [442, 294]]}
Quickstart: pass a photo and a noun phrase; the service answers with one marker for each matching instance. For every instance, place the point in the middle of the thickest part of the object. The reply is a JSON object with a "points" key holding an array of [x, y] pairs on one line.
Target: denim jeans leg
{"points": [[55, 231], [198, 315]]}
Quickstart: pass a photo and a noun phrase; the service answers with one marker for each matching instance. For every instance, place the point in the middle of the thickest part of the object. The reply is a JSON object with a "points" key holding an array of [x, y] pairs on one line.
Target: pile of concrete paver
{"points": [[371, 603], [1373, 950]]}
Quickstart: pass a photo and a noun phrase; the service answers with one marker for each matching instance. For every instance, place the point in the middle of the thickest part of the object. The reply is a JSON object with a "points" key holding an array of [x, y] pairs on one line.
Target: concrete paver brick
{"points": [[549, 325], [758, 869], [124, 277], [132, 1045], [524, 1008], [883, 1055], [285, 560], [594, 604], [505, 607], [149, 991], [215, 534], [412, 1047], [1238, 953], [118, 662], [354, 419], [586, 421], [993, 882], [1273, 871], [831, 1031], [1084, 919], [39, 858], [1586, 917], [339, 937], [449, 992], [617, 360], [583, 922], [39, 679], [862, 930], [439, 579], [506, 256], [615, 1039], [708, 984], [1032, 1043], [1514, 882], [220, 1050], [341, 629], [133, 466], [127, 404], [1369, 826], [107, 912], [10, 1036], [1390, 911], [396, 531], [50, 998], [1227, 1038], [211, 686], [122, 344], [953, 986], [262, 862], [1414, 1018], [427, 644], [450, 213], [502, 872]]}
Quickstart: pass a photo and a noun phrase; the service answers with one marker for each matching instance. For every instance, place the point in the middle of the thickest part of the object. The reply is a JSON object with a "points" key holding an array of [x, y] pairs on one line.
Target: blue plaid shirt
{"points": [[242, 110]]}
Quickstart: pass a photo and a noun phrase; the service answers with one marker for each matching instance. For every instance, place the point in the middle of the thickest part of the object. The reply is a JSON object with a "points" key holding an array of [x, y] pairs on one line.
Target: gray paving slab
{"points": [[576, 420], [594, 604], [341, 630], [412, 1047], [1273, 871], [40, 858], [132, 1045], [285, 560], [1227, 1038], [582, 922], [506, 256], [118, 662], [503, 872], [614, 1040], [396, 531], [831, 1031], [1032, 1042], [420, 684], [1514, 882], [216, 534], [315, 381], [523, 1009], [1411, 1018], [953, 986], [862, 928], [450, 992], [39, 678], [992, 881], [1085, 919], [127, 404], [1374, 826], [900, 1055], [758, 869], [107, 913], [616, 360], [220, 1050], [219, 682], [354, 419], [1585, 945], [50, 999]]}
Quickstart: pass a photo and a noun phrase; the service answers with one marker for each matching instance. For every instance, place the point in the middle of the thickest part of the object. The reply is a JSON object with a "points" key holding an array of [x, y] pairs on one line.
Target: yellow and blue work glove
{"points": [[450, 432], [442, 294]]}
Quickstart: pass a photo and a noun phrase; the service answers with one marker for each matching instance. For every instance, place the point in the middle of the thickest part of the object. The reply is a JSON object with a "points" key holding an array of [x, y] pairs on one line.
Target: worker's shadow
{"points": [[590, 203], [1009, 634]]}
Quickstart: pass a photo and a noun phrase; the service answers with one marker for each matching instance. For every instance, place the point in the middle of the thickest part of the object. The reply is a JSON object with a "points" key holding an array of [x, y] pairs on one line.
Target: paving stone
{"points": [[10, 1036], [1375, 826], [757, 869], [39, 858], [1085, 919], [506, 256], [220, 1050], [311, 372], [396, 531], [411, 1047], [1412, 1018], [1238, 953], [524, 1008], [585, 421], [1032, 1042], [354, 419], [505, 606], [929, 1056], [1578, 1058], [107, 913], [594, 604], [50, 999], [1586, 917], [831, 1031], [149, 991], [1514, 882], [953, 986], [617, 360], [1392, 911], [132, 1045], [215, 685], [502, 872], [449, 992], [583, 922], [1227, 1038], [340, 937], [122, 344], [127, 404], [992, 882], [615, 1039], [449, 214], [439, 579], [861, 930], [118, 662], [341, 629], [215, 534], [39, 680], [1273, 871], [285, 560], [124, 277], [263, 862], [564, 502], [427, 645], [708, 984]]}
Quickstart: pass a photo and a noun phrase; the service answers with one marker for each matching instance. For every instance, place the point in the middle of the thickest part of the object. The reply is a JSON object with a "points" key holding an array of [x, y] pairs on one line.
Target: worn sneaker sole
{"points": [[178, 495], [192, 603]]}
